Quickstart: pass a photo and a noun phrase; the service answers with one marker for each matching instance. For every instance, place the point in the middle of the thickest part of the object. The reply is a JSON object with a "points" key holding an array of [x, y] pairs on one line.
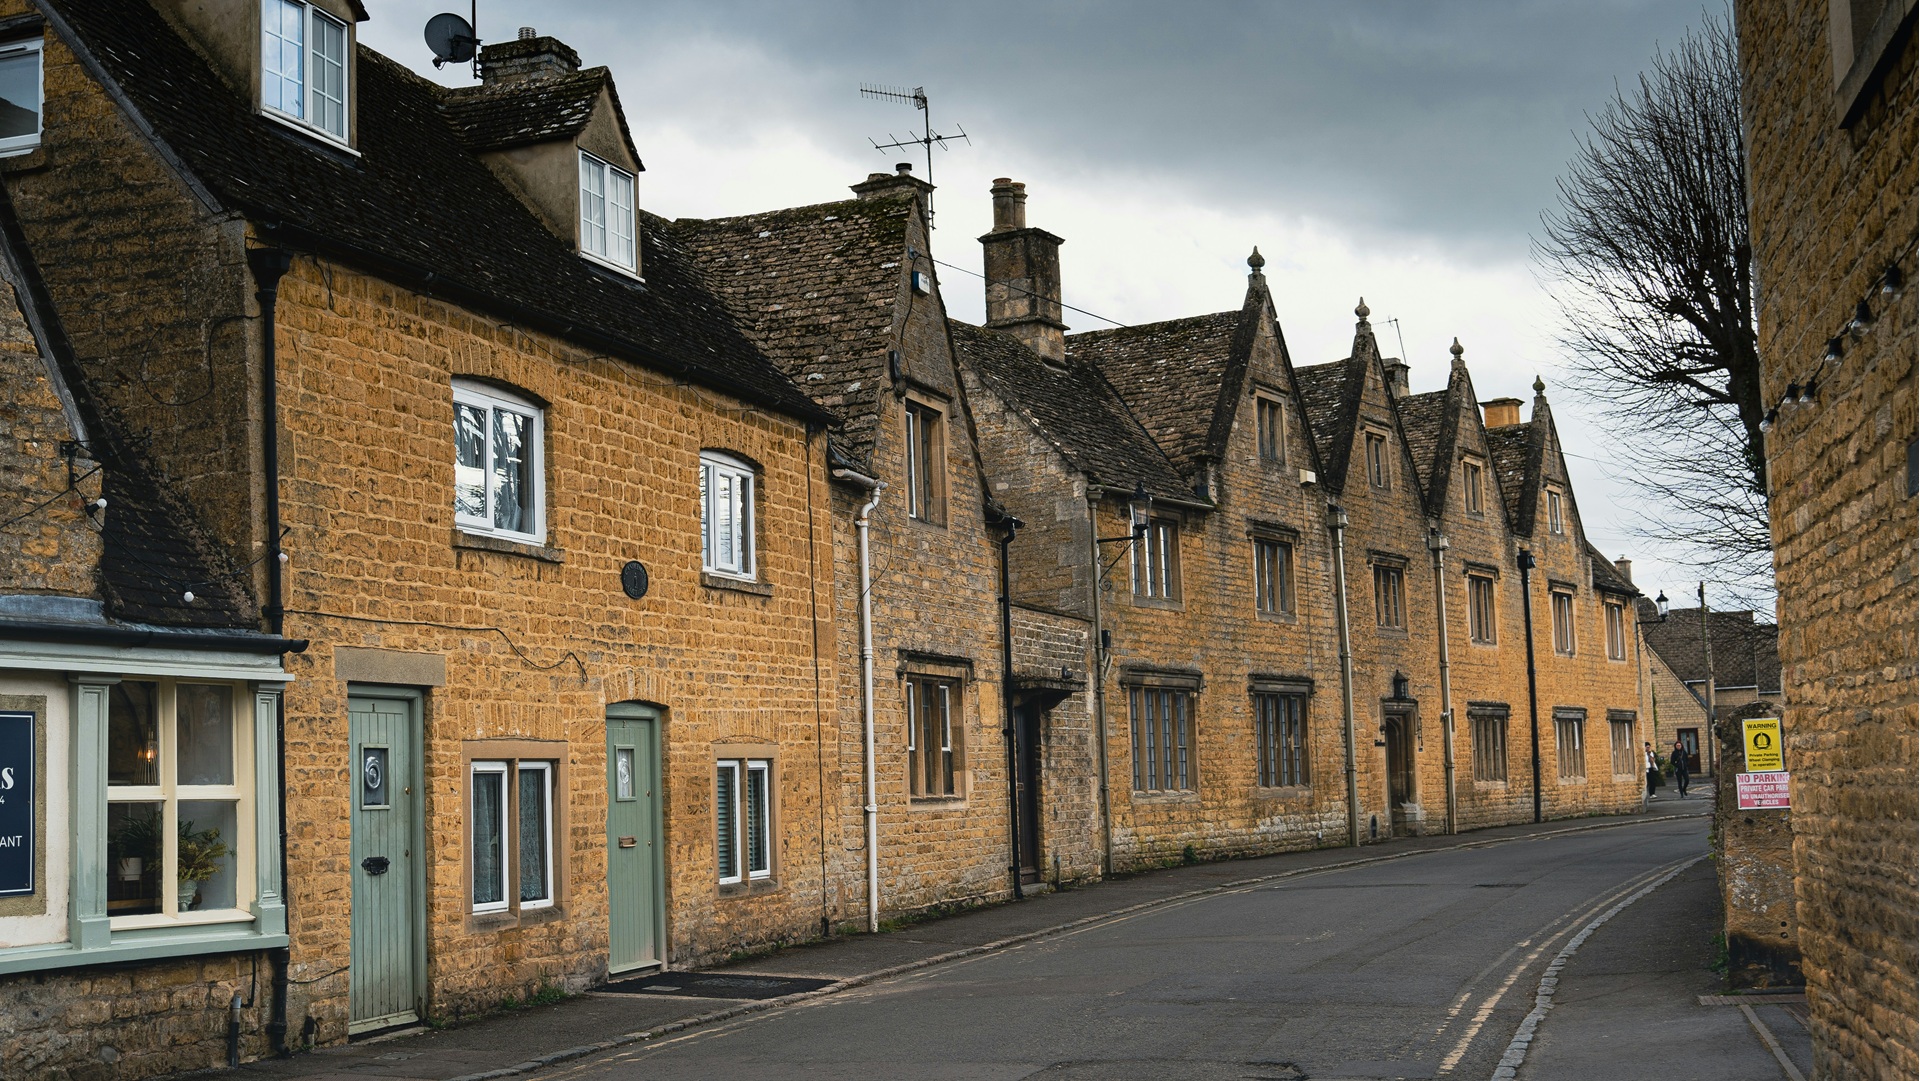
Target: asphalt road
{"points": [[1422, 967]]}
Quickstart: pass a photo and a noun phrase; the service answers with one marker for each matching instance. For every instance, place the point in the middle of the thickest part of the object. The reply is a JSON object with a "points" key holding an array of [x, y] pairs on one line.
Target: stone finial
{"points": [[1539, 386], [1256, 260], [1457, 349], [1361, 310]]}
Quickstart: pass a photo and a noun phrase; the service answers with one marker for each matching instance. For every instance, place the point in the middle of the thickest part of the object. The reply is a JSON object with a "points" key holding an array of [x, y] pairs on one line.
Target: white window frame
{"points": [[734, 841], [1565, 641], [499, 769], [715, 465], [21, 144], [1379, 463], [311, 95], [1156, 562], [545, 770], [1616, 616], [170, 794], [925, 431], [601, 240], [1390, 596], [480, 396], [1556, 512]]}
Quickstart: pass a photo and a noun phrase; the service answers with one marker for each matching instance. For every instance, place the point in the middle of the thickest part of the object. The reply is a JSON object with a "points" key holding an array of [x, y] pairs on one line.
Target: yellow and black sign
{"points": [[1764, 753]]}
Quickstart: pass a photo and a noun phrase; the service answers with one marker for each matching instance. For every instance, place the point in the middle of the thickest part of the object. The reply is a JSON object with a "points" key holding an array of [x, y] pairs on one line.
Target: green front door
{"points": [[385, 980], [634, 870]]}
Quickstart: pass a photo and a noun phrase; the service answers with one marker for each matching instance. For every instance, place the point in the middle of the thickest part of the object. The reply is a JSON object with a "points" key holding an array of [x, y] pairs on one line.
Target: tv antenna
{"points": [[926, 140], [455, 40]]}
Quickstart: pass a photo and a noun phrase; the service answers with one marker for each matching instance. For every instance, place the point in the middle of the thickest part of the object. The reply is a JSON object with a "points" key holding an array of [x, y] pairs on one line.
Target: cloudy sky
{"points": [[1401, 151]]}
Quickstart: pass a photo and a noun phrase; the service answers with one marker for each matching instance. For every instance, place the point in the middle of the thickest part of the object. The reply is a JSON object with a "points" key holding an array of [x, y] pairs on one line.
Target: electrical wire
{"points": [[504, 636], [1031, 293], [72, 486]]}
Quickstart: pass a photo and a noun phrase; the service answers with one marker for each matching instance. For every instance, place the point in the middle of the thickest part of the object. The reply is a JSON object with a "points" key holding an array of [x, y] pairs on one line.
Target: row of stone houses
{"points": [[747, 597]]}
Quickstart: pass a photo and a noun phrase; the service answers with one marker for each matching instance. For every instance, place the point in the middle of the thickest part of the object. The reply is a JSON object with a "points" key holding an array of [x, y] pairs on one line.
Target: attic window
{"points": [[303, 66], [606, 213], [19, 96]]}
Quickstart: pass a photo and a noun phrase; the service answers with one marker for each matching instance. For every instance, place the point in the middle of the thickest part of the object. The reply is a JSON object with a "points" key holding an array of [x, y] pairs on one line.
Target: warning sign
{"points": [[1762, 791], [1763, 745]]}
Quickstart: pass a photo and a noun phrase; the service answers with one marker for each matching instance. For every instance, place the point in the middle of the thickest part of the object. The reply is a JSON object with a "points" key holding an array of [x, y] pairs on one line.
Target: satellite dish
{"points": [[451, 39]]}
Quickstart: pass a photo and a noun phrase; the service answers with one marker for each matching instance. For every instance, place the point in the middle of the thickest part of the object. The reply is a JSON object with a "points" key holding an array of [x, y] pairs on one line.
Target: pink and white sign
{"points": [[1762, 791]]}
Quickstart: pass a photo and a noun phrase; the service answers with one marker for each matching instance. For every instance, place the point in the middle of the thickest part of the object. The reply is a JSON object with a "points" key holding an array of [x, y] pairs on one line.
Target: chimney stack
{"points": [[1023, 275], [900, 182], [529, 56], [1396, 376], [1502, 412], [1625, 567]]}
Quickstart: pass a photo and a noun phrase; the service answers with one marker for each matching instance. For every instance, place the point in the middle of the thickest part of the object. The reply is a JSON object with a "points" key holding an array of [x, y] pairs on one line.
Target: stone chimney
{"points": [[893, 185], [1625, 567], [1501, 412], [1023, 275], [1396, 376], [530, 56]]}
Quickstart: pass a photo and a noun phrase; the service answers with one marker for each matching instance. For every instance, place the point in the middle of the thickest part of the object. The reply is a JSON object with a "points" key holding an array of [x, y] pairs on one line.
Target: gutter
{"points": [[237, 642], [870, 809], [1337, 523]]}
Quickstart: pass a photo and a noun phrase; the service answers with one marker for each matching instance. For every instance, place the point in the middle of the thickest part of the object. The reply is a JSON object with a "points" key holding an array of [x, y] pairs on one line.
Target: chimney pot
{"points": [[1009, 205], [1625, 567], [1501, 412], [529, 56], [527, 33], [903, 168], [1397, 377]]}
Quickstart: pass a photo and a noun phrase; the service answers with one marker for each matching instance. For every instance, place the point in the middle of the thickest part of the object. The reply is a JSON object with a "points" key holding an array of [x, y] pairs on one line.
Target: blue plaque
{"points": [[16, 803]]}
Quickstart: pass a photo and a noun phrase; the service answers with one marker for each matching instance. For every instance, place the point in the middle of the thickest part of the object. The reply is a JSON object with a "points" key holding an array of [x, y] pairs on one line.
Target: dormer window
{"points": [[19, 96], [606, 213], [303, 66]]}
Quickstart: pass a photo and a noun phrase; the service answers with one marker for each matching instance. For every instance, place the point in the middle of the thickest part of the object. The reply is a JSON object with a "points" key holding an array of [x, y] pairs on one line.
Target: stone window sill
{"points": [[480, 542], [750, 888], [937, 803], [737, 585], [1285, 792], [1188, 796], [1158, 602], [1391, 632], [1277, 617]]}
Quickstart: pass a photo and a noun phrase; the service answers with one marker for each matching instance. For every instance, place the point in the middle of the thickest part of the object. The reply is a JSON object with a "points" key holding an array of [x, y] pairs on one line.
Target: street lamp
{"points": [[1139, 506]]}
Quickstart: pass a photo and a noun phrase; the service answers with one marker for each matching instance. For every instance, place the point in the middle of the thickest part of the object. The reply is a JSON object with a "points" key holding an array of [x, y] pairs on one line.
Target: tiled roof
{"points": [[1330, 398], [1422, 416], [416, 205], [1745, 653], [1512, 461], [1606, 576], [816, 287], [1170, 375], [1075, 409], [529, 111]]}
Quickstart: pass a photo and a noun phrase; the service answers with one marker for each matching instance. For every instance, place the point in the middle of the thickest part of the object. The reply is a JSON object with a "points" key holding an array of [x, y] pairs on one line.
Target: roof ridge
{"points": [[1138, 327]]}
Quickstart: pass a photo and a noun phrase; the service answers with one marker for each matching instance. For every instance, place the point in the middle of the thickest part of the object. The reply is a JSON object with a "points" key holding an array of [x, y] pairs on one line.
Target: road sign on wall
{"points": [[1762, 791], [1764, 753]]}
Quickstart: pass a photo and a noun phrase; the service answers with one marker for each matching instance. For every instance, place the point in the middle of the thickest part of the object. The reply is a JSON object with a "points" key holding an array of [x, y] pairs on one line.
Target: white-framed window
{"points": [[936, 749], [926, 471], [1156, 561], [1390, 596], [303, 65], [606, 214], [512, 833], [22, 94], [179, 799], [1616, 631], [726, 515], [1556, 516], [1563, 637], [1379, 468], [743, 819], [499, 472]]}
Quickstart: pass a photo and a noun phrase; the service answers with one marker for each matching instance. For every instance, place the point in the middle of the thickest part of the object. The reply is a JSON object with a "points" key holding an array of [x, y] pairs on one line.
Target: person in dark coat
{"points": [[1680, 774]]}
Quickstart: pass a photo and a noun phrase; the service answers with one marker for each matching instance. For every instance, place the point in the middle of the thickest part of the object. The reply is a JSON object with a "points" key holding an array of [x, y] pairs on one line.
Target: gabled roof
{"points": [[1516, 466], [1075, 409], [817, 288], [1607, 577], [1745, 653], [528, 111], [414, 205], [1330, 398], [1170, 375], [1422, 420]]}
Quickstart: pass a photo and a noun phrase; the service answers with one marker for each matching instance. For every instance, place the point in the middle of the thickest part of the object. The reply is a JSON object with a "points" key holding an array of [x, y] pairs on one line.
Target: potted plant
{"points": [[135, 844], [198, 858]]}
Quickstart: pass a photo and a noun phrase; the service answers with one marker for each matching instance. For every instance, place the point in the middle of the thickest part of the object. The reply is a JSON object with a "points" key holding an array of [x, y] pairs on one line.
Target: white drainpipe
{"points": [[871, 808]]}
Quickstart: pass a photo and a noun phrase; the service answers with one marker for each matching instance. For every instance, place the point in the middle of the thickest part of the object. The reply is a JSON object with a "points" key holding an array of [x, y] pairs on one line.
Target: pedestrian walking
{"points": [[1680, 775], [1653, 771]]}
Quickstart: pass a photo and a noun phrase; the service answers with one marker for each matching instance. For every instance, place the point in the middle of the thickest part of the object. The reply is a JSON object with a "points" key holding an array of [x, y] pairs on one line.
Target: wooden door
{"points": [[1400, 787], [635, 868], [1026, 735], [386, 983]]}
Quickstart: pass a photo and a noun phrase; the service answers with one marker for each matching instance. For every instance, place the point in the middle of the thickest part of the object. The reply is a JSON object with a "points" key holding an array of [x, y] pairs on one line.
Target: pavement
{"points": [[1600, 990]]}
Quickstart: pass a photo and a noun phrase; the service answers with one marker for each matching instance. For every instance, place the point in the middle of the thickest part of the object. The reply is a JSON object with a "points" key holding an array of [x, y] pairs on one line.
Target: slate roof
{"points": [[416, 205], [529, 111], [1422, 416], [1330, 398], [1607, 577], [816, 287], [152, 549], [1745, 652], [1169, 374], [1512, 463], [1078, 410]]}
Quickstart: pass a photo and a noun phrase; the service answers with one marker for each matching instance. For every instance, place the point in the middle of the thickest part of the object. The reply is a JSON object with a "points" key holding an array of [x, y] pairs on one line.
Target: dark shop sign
{"points": [[16, 803]]}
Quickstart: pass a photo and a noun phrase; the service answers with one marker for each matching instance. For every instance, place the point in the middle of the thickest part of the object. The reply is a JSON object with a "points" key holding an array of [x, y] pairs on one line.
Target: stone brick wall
{"points": [[1831, 208], [53, 550], [1753, 855]]}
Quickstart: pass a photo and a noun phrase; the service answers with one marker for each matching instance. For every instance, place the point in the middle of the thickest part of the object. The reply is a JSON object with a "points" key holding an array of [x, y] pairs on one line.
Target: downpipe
{"points": [[1337, 522], [870, 809], [1437, 544], [1012, 525], [1533, 682]]}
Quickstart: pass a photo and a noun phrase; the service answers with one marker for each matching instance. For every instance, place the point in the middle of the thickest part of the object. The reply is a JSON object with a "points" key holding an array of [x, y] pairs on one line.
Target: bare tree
{"points": [[1649, 258]]}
